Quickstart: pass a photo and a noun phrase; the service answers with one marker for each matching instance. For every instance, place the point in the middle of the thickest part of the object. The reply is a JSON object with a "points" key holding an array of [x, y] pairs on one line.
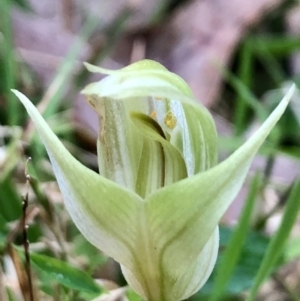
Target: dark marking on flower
{"points": [[153, 114], [98, 104], [170, 120]]}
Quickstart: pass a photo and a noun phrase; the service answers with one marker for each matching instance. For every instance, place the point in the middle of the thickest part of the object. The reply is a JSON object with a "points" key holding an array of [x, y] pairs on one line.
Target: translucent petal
{"points": [[192, 132], [197, 274], [144, 69], [173, 167], [150, 172], [194, 135], [166, 286], [197, 203], [119, 143], [103, 211]]}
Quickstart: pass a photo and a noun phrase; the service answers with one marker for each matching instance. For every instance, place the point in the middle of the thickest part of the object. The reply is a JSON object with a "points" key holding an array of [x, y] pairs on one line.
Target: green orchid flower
{"points": [[156, 205]]}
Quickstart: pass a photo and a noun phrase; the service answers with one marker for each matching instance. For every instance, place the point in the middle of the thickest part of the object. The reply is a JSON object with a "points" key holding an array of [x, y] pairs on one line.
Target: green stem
{"points": [[9, 64]]}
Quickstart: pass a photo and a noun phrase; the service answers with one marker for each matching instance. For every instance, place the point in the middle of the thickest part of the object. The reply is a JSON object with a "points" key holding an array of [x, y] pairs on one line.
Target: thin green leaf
{"points": [[246, 268], [277, 243], [245, 74], [235, 245], [279, 46], [59, 83], [13, 112], [23, 4], [41, 196], [271, 64], [65, 274], [10, 200], [245, 94]]}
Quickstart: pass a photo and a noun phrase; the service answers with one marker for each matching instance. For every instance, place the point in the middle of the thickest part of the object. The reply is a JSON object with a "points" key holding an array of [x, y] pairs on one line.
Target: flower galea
{"points": [[156, 204]]}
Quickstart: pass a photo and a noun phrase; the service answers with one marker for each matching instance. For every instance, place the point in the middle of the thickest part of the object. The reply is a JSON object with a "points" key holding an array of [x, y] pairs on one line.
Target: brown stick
{"points": [[25, 238]]}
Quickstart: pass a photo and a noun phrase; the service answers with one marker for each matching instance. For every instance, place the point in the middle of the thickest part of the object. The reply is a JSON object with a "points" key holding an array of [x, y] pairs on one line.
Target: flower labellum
{"points": [[156, 204]]}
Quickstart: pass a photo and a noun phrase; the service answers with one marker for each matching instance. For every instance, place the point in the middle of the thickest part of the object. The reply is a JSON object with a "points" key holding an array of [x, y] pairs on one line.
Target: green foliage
{"points": [[268, 51], [245, 268], [9, 63], [10, 200], [65, 274], [234, 247], [22, 4], [277, 243]]}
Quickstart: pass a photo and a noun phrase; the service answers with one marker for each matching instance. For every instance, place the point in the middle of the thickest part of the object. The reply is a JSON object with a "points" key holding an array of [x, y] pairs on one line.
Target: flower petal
{"points": [[194, 136], [119, 143], [197, 203], [102, 210], [197, 274], [173, 167], [150, 172], [167, 287], [144, 68], [148, 82]]}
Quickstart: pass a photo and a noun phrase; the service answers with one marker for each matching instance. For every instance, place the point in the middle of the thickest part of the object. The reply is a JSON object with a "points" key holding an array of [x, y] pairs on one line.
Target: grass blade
{"points": [[54, 94], [234, 247], [245, 73], [13, 114], [66, 274], [269, 61], [245, 94], [277, 243]]}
